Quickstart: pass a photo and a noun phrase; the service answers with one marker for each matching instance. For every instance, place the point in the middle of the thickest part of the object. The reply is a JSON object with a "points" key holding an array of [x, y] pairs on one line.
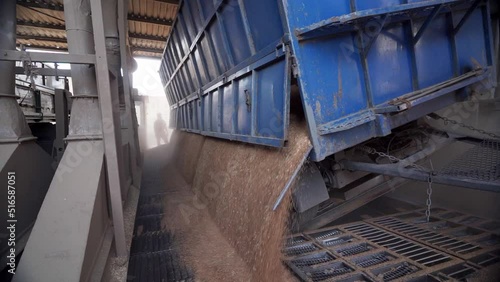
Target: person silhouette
{"points": [[160, 127]]}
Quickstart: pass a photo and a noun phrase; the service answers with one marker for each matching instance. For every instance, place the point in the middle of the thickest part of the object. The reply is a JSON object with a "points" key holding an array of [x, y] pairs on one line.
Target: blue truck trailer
{"points": [[367, 72]]}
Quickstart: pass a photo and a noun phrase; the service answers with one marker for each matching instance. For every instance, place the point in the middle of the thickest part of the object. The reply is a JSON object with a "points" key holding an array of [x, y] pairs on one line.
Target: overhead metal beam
{"points": [[62, 27], [398, 170], [40, 47], [46, 71], [145, 49], [63, 40], [148, 37], [139, 56], [10, 55], [174, 2], [42, 38], [41, 4], [59, 7], [41, 25], [146, 19]]}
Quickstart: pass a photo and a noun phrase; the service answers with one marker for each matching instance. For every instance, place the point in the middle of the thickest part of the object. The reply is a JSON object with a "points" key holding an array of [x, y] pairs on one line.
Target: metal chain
{"points": [[393, 159], [370, 150], [461, 124], [421, 168], [429, 197]]}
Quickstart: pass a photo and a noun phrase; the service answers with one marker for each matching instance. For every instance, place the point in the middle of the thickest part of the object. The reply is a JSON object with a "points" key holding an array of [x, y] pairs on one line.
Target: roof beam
{"points": [[63, 39], [146, 19], [41, 4], [175, 2], [131, 17], [148, 37], [41, 38], [11, 55], [143, 49], [59, 7], [146, 49], [41, 25]]}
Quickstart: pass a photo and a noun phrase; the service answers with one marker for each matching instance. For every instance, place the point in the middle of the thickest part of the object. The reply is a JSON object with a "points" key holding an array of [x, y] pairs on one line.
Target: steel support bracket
{"points": [[62, 107], [349, 22], [111, 125], [46, 72], [401, 170], [373, 37], [427, 23], [466, 16], [18, 56]]}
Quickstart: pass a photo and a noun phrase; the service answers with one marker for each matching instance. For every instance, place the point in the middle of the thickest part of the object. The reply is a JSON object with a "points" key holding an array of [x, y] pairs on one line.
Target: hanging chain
{"points": [[461, 124], [394, 159], [431, 173], [429, 197]]}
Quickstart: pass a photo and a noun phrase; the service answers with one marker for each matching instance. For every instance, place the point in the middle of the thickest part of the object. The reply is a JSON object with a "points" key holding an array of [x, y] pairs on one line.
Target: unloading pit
{"points": [[404, 247], [395, 244]]}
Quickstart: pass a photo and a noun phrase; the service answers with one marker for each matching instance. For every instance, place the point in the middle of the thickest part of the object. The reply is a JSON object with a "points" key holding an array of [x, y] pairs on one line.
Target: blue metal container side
{"points": [[364, 67], [223, 74], [356, 58]]}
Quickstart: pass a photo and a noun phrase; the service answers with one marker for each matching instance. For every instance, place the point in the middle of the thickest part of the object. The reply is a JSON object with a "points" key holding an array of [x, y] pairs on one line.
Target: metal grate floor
{"points": [[479, 163], [401, 247], [154, 255]]}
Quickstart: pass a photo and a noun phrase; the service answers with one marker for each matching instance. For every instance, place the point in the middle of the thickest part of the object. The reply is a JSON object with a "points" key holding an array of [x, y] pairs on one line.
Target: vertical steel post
{"points": [[110, 19], [85, 122], [62, 114], [129, 103], [13, 126], [88, 120], [7, 42], [28, 159], [110, 133]]}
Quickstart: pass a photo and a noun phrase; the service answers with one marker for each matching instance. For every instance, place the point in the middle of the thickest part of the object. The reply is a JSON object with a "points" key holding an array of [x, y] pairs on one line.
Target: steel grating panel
{"points": [[151, 242], [154, 256], [300, 249], [307, 261], [295, 240], [151, 199], [400, 247], [159, 266], [154, 209], [397, 271], [330, 271], [147, 224], [462, 235], [445, 242], [479, 163]]}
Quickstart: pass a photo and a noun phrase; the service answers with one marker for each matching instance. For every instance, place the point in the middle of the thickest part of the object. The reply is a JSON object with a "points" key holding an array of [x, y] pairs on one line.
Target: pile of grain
{"points": [[225, 220], [185, 151]]}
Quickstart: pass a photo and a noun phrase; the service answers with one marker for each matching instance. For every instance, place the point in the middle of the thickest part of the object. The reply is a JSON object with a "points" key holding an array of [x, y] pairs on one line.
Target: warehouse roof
{"points": [[40, 24]]}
